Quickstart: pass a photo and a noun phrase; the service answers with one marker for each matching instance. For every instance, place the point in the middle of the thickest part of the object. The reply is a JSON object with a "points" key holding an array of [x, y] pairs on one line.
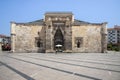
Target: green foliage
{"points": [[113, 47]]}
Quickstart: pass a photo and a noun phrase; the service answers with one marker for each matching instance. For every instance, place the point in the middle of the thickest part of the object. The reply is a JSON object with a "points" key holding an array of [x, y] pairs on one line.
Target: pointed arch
{"points": [[58, 38], [54, 32]]}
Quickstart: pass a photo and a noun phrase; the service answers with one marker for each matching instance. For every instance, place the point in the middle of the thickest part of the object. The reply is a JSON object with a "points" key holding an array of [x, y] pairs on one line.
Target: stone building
{"points": [[58, 31]]}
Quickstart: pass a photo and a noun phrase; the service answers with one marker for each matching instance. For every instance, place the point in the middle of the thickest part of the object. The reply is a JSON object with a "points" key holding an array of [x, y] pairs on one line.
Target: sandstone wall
{"points": [[93, 38], [25, 37], [91, 35]]}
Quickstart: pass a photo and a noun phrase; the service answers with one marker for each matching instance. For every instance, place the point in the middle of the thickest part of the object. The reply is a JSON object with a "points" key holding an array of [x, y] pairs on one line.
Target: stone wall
{"points": [[25, 37], [66, 20], [91, 35], [77, 36]]}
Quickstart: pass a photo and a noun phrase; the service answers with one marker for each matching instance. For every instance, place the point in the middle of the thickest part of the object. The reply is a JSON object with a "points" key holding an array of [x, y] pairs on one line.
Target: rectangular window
{"points": [[113, 31], [78, 42], [38, 42]]}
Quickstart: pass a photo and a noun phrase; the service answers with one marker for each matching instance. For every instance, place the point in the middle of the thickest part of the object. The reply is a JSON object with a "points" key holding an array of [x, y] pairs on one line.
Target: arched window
{"points": [[78, 44], [38, 44], [49, 26]]}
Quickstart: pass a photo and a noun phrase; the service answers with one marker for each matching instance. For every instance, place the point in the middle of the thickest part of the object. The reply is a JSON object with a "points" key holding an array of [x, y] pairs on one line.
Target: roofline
{"points": [[113, 29], [57, 13], [4, 36]]}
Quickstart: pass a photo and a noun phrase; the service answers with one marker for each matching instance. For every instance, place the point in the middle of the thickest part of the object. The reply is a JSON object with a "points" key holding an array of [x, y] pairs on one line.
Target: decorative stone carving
{"points": [[41, 35]]}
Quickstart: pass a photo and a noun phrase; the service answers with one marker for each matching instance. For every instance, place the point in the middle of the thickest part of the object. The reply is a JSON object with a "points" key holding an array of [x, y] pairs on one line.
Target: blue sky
{"points": [[94, 11]]}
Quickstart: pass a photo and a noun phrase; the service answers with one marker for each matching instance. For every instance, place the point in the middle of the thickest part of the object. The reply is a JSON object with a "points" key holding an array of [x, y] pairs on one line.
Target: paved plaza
{"points": [[60, 66]]}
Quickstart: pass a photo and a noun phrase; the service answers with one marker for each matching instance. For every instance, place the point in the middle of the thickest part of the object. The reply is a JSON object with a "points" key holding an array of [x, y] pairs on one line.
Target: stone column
{"points": [[104, 37], [49, 37], [13, 36], [68, 37]]}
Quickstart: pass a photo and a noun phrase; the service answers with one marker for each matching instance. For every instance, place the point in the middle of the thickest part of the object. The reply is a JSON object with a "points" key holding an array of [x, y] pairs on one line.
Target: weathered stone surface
{"points": [[77, 36], [91, 38], [25, 38]]}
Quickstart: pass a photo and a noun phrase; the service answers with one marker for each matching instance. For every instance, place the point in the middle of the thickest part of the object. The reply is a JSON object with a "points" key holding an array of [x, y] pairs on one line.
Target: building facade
{"points": [[114, 35], [4, 41], [58, 30]]}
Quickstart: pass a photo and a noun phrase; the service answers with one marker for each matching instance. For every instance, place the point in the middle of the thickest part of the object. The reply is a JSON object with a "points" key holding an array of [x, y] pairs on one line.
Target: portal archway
{"points": [[58, 40]]}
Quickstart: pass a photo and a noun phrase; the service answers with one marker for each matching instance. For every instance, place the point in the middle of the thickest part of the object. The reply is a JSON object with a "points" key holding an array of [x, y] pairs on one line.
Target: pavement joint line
{"points": [[61, 70], [90, 62], [103, 60], [18, 72], [82, 61], [75, 64], [97, 60], [90, 59]]}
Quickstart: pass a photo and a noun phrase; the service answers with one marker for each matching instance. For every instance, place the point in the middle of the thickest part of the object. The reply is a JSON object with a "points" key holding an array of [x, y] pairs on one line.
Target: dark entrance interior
{"points": [[58, 40]]}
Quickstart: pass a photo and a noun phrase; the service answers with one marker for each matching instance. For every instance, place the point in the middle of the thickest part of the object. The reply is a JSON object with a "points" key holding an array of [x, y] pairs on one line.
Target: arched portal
{"points": [[58, 40]]}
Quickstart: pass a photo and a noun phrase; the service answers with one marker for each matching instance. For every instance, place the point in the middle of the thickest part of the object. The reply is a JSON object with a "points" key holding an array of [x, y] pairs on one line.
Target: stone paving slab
{"points": [[60, 66]]}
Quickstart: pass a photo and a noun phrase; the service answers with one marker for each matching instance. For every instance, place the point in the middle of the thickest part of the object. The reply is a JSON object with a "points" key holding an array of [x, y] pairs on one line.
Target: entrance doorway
{"points": [[58, 41]]}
